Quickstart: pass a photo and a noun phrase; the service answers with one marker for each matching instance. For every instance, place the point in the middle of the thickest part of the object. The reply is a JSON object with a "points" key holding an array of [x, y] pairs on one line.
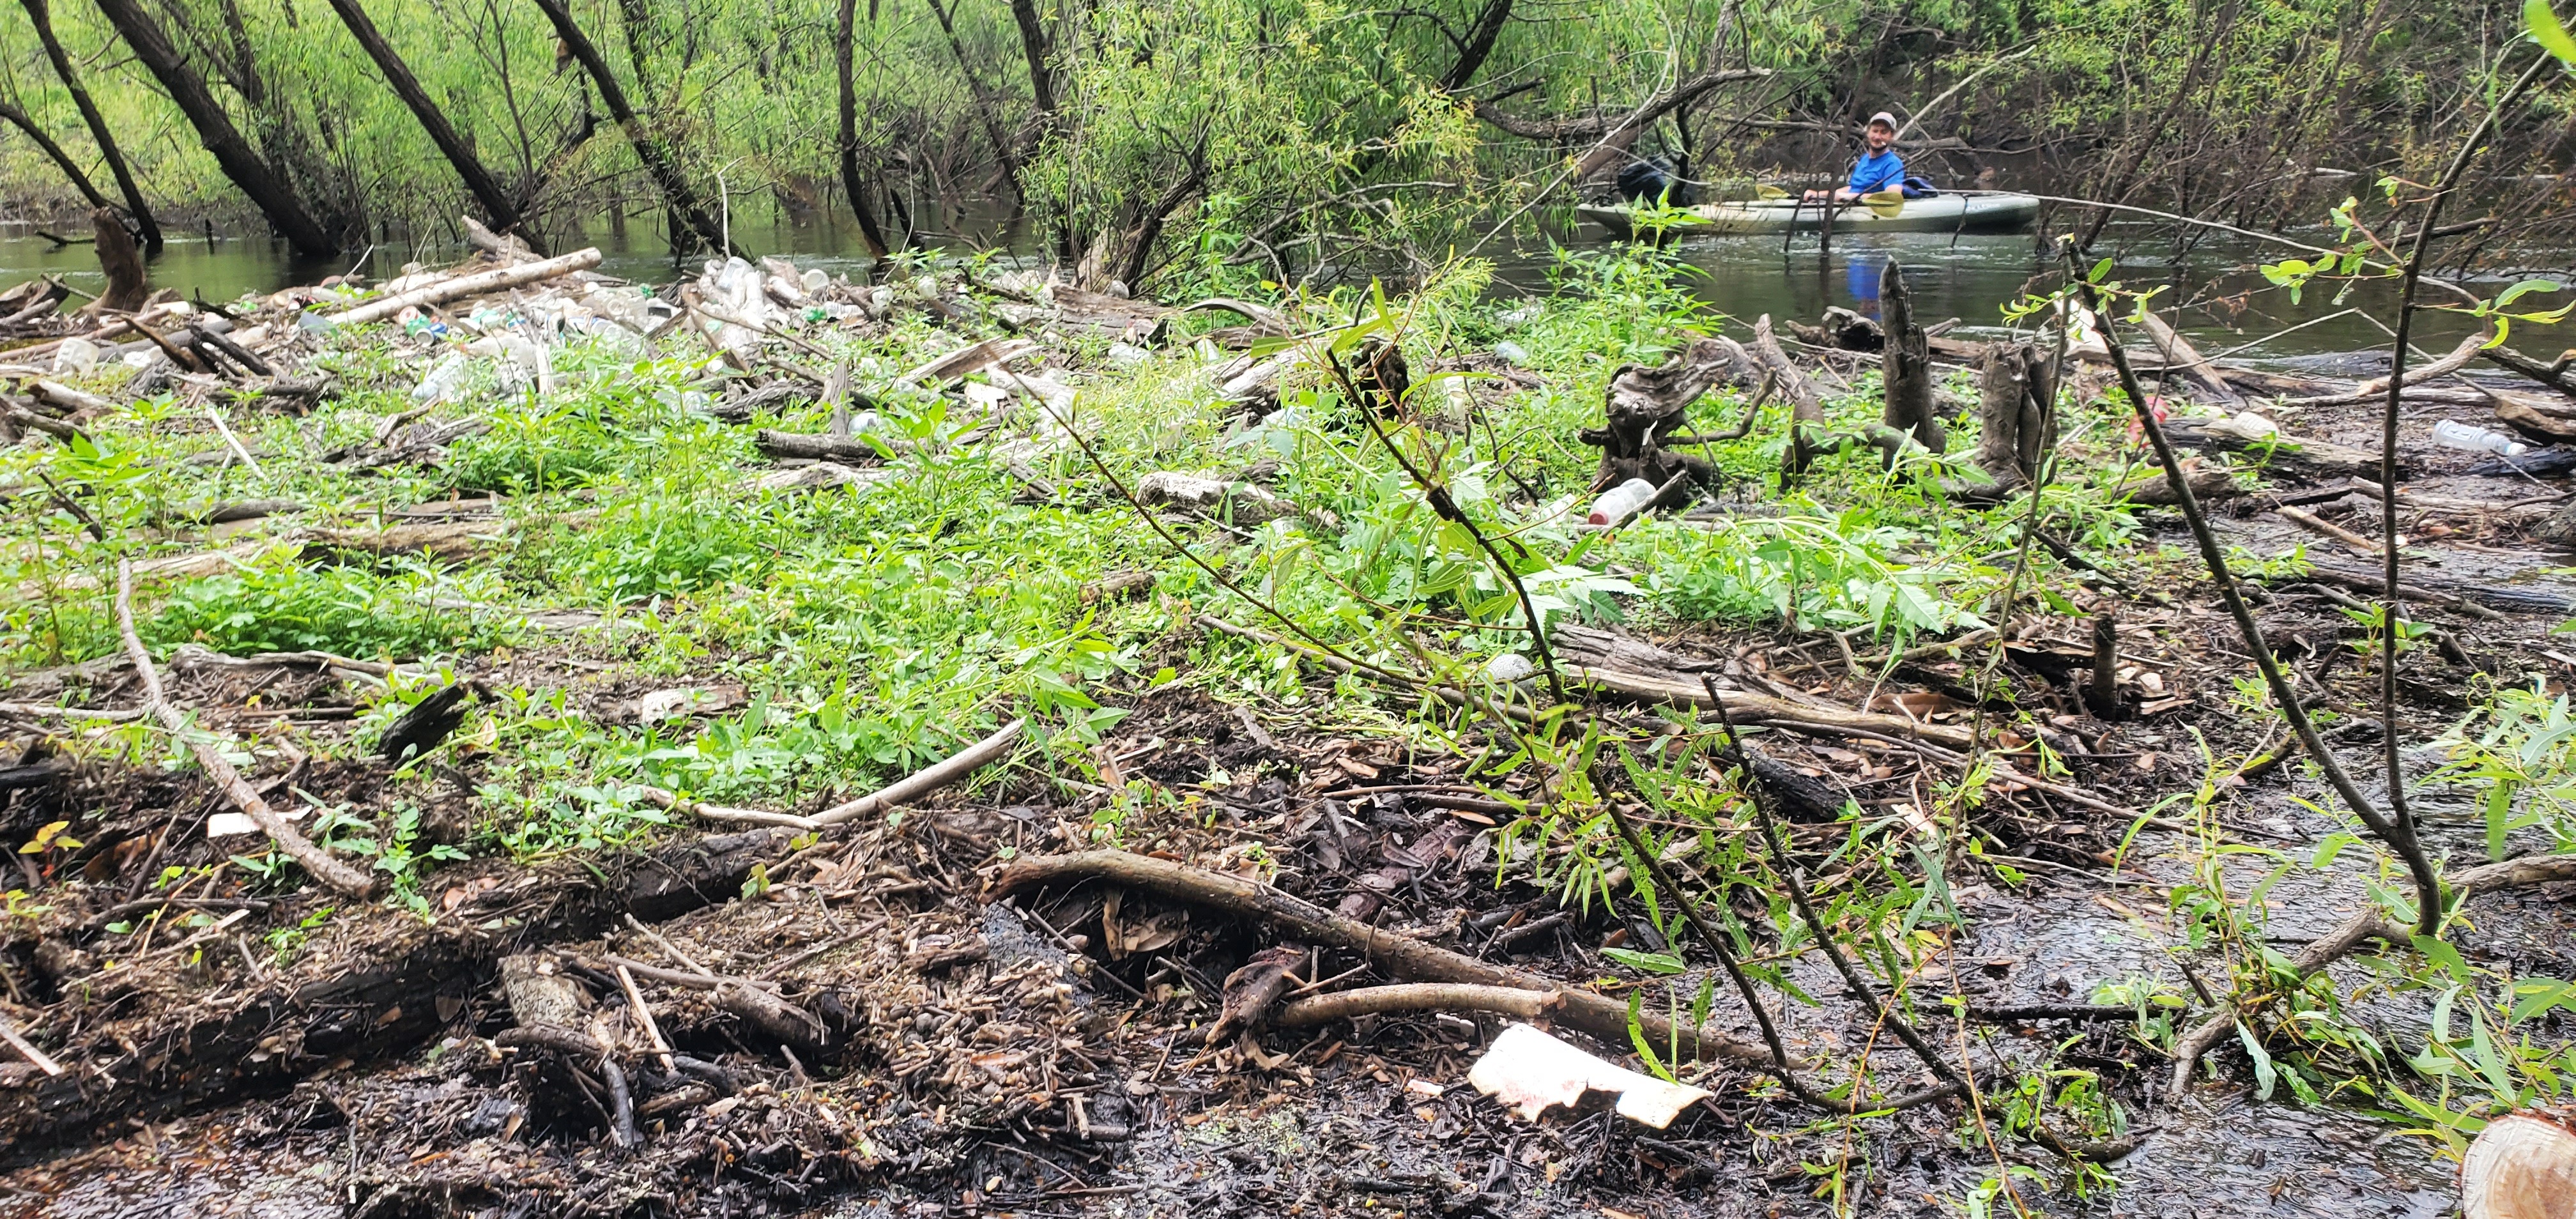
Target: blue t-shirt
{"points": [[1877, 171]]}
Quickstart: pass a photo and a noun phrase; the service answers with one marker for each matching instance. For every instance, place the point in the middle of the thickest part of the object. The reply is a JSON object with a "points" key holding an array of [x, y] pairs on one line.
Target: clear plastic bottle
{"points": [[2453, 434], [1621, 500]]}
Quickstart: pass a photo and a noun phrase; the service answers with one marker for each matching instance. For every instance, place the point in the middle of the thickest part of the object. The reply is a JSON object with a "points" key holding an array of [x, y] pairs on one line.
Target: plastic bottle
{"points": [[2453, 434], [1621, 500], [446, 380]]}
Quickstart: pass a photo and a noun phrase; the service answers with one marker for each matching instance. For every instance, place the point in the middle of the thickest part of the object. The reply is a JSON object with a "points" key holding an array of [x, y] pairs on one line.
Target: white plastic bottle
{"points": [[1621, 500], [2451, 433], [446, 380]]}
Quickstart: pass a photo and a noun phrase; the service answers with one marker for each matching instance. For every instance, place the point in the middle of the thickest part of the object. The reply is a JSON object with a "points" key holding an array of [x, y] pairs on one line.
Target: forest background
{"points": [[1218, 139]]}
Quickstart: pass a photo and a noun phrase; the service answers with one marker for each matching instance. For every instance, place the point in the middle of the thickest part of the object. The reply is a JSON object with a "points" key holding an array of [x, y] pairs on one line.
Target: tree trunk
{"points": [[1907, 373], [71, 169], [633, 18], [1479, 45], [499, 208], [98, 129], [657, 160], [986, 111], [256, 178], [1149, 229], [842, 47], [1033, 42]]}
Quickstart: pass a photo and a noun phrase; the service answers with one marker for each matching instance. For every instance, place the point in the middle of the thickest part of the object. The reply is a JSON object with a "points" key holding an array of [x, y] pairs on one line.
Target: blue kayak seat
{"points": [[1916, 188]]}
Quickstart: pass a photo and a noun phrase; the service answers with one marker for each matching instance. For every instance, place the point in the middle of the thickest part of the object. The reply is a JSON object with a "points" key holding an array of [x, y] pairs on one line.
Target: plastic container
{"points": [[1621, 500], [2453, 434]]}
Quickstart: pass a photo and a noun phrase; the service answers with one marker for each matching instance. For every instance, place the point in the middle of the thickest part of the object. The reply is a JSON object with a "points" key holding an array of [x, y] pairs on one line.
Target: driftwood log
{"points": [[2281, 452]]}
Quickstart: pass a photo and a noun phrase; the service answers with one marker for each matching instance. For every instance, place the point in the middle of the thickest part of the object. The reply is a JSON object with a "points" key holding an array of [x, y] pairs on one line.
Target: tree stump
{"points": [[1646, 406], [127, 284], [1806, 403], [1907, 369], [2012, 396]]}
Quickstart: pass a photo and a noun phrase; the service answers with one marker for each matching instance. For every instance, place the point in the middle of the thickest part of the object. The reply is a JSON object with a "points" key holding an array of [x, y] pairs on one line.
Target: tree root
{"points": [[1596, 1014]]}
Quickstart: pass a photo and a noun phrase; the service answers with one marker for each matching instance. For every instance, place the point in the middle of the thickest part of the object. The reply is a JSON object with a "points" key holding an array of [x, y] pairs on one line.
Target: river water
{"points": [[2215, 292]]}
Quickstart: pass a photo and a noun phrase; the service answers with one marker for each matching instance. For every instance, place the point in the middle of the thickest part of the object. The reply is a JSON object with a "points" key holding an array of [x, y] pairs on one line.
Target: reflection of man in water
{"points": [[1863, 271]]}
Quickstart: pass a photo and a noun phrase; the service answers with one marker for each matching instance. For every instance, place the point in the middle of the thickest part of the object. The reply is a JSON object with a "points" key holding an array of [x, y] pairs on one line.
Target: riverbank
{"points": [[582, 625]]}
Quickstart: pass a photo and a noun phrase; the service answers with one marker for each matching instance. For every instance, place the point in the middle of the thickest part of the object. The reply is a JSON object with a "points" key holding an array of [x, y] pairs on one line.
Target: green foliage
{"points": [[410, 611], [2516, 756]]}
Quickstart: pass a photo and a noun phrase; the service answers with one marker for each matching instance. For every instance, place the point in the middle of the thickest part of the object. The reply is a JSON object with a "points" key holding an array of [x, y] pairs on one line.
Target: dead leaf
{"points": [[1915, 704]]}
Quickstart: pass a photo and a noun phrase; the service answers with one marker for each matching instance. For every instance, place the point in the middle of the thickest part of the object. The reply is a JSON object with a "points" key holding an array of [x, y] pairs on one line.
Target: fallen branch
{"points": [[2322, 527], [319, 863], [1596, 1014], [476, 284], [2454, 362], [1418, 997], [2363, 928]]}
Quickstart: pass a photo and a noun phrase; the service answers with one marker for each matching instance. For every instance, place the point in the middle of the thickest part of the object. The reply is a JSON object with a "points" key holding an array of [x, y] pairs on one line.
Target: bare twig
{"points": [[321, 864], [2399, 836]]}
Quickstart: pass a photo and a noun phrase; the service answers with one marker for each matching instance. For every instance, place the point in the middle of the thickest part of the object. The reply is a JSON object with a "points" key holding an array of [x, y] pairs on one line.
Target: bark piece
{"points": [[1250, 992], [426, 724], [1428, 851]]}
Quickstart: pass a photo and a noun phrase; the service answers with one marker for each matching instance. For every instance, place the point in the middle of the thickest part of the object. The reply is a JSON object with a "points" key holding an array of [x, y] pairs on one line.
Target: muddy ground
{"points": [[1038, 1053]]}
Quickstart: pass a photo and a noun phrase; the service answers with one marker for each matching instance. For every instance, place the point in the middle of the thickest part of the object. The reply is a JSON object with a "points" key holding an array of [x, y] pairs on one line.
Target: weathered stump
{"points": [[1646, 406], [1907, 369]]}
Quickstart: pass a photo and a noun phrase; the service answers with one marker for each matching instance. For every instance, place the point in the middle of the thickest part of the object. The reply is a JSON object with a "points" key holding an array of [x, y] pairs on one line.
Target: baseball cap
{"points": [[1882, 117]]}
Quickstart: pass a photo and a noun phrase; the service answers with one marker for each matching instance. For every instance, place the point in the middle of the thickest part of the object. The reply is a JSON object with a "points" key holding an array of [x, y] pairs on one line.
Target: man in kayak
{"points": [[1878, 169]]}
